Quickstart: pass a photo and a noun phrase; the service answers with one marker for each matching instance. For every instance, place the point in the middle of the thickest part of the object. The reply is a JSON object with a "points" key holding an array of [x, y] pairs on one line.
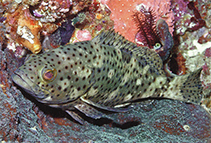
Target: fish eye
{"points": [[49, 75], [157, 46]]}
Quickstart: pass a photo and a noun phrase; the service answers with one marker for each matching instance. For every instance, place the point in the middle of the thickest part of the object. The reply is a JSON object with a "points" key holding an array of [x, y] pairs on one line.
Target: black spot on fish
{"points": [[75, 73], [76, 79], [79, 88], [59, 88]]}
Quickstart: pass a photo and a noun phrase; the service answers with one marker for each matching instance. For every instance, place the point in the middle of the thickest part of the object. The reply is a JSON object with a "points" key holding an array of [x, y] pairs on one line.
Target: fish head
{"points": [[35, 76]]}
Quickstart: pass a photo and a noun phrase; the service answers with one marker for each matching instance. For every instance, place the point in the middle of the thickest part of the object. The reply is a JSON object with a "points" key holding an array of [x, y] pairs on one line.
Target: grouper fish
{"points": [[107, 73]]}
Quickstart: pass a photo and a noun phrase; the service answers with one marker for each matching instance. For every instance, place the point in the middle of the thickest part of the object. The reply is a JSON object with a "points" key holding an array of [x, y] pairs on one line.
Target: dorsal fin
{"points": [[29, 57], [111, 38]]}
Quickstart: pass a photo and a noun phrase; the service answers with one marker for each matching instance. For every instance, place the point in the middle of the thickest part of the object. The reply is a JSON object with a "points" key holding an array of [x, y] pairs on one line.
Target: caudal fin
{"points": [[187, 88]]}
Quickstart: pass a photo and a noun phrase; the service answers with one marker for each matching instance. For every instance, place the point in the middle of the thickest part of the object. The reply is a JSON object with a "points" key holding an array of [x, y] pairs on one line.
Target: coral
{"points": [[182, 68], [122, 11], [152, 34], [206, 101], [28, 21], [199, 22], [204, 8], [9, 6], [188, 17], [81, 35], [24, 29], [194, 39], [96, 19], [182, 16], [88, 24], [52, 10], [63, 34], [2, 30], [80, 5], [195, 55], [147, 34]]}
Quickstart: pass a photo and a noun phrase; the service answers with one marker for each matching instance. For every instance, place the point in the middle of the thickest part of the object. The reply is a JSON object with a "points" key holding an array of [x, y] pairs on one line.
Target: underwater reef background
{"points": [[37, 26]]}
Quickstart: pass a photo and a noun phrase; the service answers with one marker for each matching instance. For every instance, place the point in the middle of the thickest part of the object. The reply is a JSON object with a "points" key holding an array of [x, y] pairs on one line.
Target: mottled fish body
{"points": [[107, 72]]}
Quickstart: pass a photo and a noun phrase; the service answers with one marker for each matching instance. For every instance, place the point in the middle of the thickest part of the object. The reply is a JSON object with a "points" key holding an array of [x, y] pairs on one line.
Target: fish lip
{"points": [[24, 82], [19, 80]]}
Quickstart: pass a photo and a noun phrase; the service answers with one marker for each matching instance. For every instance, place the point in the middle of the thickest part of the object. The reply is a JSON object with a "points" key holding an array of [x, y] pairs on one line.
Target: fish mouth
{"points": [[24, 82], [19, 80]]}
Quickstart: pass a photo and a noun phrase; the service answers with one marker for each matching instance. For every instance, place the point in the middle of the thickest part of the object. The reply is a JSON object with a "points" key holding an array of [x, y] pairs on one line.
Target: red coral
{"points": [[122, 10], [208, 52], [197, 19], [181, 64]]}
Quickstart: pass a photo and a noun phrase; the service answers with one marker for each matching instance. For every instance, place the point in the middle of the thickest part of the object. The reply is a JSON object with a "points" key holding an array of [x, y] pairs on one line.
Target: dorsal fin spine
{"points": [[110, 37]]}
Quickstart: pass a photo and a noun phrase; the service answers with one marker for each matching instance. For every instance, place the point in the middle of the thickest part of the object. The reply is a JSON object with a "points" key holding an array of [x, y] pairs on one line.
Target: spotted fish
{"points": [[108, 73]]}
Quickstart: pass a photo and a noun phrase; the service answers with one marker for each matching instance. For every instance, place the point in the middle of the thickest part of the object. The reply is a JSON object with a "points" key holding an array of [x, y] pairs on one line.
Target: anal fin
{"points": [[89, 111], [75, 116], [86, 109]]}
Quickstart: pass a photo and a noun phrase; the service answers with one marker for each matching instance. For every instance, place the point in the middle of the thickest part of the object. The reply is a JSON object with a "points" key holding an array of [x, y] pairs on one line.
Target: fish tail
{"points": [[187, 88]]}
